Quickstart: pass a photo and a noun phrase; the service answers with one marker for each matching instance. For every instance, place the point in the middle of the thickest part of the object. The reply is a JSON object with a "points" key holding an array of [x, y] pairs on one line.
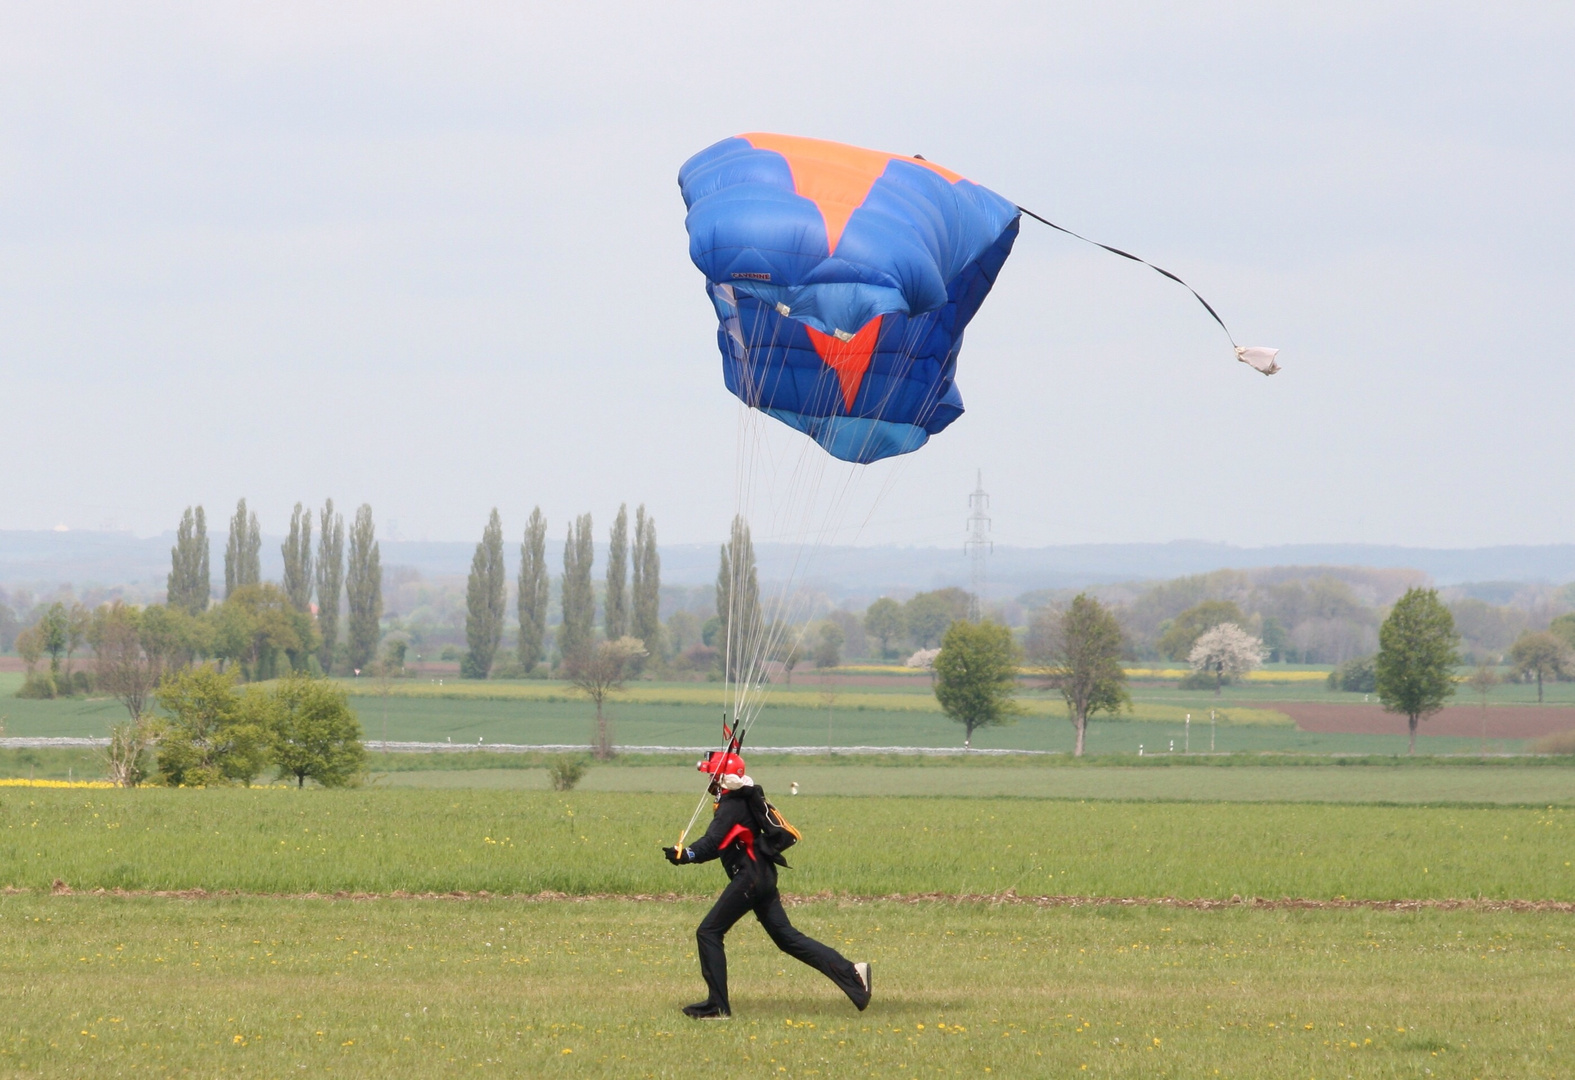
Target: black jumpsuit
{"points": [[752, 886]]}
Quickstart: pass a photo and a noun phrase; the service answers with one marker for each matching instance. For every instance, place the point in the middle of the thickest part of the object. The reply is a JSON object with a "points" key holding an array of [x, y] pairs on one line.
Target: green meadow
{"points": [[574, 948], [247, 986], [284, 841]]}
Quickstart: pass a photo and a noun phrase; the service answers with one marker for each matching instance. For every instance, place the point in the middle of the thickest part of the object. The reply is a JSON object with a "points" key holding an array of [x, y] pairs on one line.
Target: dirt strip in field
{"points": [[1008, 898], [1503, 721]]}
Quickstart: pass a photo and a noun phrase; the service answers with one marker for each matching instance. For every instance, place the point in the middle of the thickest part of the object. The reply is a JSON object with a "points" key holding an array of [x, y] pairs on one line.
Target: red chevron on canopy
{"points": [[849, 359]]}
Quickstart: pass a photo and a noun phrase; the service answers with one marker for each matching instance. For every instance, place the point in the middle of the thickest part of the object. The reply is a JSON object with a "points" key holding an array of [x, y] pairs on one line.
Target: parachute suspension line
{"points": [[694, 817], [1128, 255], [755, 633], [755, 637], [752, 645]]}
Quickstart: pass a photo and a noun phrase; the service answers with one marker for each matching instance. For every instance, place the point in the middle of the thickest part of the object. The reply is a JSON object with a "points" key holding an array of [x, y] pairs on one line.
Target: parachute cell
{"points": [[843, 280]]}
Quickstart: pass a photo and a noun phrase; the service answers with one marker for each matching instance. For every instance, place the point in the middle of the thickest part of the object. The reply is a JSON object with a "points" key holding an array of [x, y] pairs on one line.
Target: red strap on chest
{"points": [[739, 832]]}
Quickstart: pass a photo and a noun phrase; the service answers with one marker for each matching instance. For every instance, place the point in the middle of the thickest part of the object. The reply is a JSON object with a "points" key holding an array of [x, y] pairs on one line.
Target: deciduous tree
{"points": [[257, 626], [330, 581], [535, 586], [29, 645], [1543, 655], [828, 643], [54, 634], [1225, 651], [1564, 628], [484, 601], [79, 621], [126, 756], [189, 585], [1482, 681], [124, 668], [364, 589], [1185, 629], [313, 734], [1416, 657], [883, 622], [298, 559], [243, 552], [976, 676], [598, 670], [928, 614], [207, 740], [1080, 650]]}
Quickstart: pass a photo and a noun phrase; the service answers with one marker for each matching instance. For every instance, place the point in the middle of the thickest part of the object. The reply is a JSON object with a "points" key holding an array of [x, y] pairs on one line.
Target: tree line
{"points": [[631, 598], [319, 587], [189, 654], [1078, 651]]}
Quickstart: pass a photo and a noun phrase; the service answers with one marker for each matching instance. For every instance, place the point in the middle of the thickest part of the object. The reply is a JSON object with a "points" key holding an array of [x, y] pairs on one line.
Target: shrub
{"points": [[567, 770], [38, 685], [1203, 680], [208, 739], [1355, 676], [1560, 742]]}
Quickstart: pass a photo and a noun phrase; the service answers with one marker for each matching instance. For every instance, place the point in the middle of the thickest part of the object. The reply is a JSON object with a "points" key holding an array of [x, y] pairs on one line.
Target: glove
{"points": [[676, 856]]}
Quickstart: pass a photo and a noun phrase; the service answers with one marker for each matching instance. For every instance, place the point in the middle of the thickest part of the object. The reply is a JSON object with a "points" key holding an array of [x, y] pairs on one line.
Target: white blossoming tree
{"points": [[1227, 652]]}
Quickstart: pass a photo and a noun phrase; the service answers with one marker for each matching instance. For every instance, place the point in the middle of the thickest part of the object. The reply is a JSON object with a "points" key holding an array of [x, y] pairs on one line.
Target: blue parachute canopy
{"points": [[843, 280]]}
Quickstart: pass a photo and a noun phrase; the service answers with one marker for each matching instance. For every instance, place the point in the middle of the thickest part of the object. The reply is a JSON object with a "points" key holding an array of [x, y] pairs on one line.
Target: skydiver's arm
{"points": [[731, 812]]}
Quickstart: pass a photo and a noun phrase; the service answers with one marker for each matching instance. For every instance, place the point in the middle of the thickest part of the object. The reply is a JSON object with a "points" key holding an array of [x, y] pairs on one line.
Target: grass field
{"points": [[264, 987], [285, 841], [1326, 783], [266, 980]]}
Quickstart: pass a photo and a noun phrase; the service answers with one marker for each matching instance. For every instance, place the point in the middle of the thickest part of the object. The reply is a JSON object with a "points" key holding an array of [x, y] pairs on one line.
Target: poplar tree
{"points": [[330, 579], [364, 589], [298, 560], [243, 553], [646, 585], [579, 596], [189, 587], [484, 595], [534, 592], [616, 604], [738, 602]]}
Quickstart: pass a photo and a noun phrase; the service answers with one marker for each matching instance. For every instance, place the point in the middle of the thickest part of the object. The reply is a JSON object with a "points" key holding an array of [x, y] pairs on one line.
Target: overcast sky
{"points": [[432, 257]]}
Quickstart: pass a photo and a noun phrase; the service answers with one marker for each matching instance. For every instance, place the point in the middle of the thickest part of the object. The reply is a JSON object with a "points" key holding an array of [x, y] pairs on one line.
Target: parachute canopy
{"points": [[843, 279]]}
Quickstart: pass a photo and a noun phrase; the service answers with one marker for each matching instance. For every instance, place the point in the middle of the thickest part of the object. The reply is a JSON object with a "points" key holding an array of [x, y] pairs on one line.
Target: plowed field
{"points": [[1503, 721]]}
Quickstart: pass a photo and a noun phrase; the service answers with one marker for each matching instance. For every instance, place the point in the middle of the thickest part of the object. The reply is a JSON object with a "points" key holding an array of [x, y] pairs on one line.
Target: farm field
{"points": [[283, 841], [96, 985], [560, 718]]}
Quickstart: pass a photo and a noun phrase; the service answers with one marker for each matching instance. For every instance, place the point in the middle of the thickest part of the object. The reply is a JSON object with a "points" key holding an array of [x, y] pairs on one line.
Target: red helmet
{"points": [[719, 763]]}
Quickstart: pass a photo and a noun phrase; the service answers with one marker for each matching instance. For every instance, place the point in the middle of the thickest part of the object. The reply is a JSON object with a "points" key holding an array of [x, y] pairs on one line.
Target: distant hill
{"points": [[44, 560]]}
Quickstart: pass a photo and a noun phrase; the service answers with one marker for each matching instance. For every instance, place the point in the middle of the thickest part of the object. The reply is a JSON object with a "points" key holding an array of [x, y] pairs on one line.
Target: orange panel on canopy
{"points": [[834, 176]]}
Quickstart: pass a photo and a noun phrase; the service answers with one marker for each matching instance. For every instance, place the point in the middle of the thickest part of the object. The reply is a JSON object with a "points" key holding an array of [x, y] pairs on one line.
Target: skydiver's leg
{"points": [[731, 906], [823, 958]]}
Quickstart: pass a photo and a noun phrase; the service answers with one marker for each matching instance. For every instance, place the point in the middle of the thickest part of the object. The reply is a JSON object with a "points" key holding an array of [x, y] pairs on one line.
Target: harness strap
{"points": [[739, 832]]}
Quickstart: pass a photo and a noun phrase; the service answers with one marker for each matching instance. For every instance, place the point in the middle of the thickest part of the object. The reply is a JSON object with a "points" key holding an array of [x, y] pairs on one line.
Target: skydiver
{"points": [[737, 837]]}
